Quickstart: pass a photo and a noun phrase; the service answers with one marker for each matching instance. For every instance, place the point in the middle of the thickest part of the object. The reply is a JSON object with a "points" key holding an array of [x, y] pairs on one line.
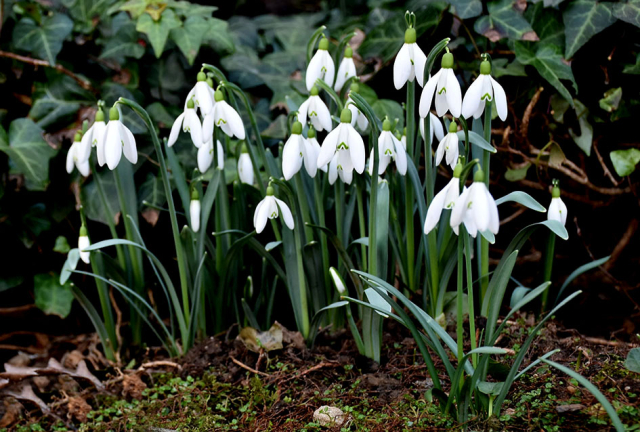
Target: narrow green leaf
{"points": [[524, 199], [580, 270]]}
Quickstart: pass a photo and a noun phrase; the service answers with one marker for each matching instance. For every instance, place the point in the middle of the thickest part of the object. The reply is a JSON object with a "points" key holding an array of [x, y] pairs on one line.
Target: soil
{"points": [[220, 385]]}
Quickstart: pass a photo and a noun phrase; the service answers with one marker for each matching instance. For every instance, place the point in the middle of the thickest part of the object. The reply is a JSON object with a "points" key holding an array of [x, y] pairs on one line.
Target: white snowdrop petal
{"points": [[460, 208], [195, 128], [435, 209], [113, 145], [472, 98], [70, 158], [356, 149], [203, 97], [314, 70], [263, 215], [286, 213], [419, 62], [328, 149], [175, 130], [83, 243], [129, 144], [205, 156], [220, 155], [480, 206], [427, 94], [402, 67], [500, 99], [291, 157], [194, 211]]}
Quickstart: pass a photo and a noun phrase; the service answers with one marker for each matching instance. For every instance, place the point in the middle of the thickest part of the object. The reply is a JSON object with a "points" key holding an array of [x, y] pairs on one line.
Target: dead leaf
{"points": [[16, 373], [530, 36], [41, 382], [78, 408], [72, 359], [3, 382], [258, 341], [133, 386], [21, 359], [54, 367], [569, 408], [27, 394], [12, 410], [151, 215]]}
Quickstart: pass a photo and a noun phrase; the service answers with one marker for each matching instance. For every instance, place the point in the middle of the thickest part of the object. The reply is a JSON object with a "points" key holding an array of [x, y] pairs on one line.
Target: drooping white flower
{"points": [[557, 209], [201, 94], [188, 121], [449, 146], [345, 143], [312, 140], [389, 147], [484, 89], [318, 113], [337, 280], [96, 132], [205, 155], [297, 150], [117, 139], [444, 199], [445, 85], [194, 211], [321, 66], [269, 208], [225, 117], [341, 166], [79, 154], [346, 70], [409, 62], [83, 243], [245, 167], [476, 208], [435, 127]]}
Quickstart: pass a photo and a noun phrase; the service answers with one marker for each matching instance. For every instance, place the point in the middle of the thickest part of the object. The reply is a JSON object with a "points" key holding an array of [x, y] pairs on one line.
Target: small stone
{"points": [[569, 408], [329, 416]]}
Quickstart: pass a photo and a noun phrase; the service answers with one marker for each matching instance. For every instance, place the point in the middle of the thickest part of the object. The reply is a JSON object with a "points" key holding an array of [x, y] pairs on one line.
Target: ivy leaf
{"points": [[611, 100], [151, 191], [52, 297], [505, 20], [390, 108], [628, 11], [502, 67], [633, 69], [517, 174], [583, 19], [219, 36], [158, 31], [277, 129], [633, 360], [92, 202], [62, 245], [385, 40], [625, 161], [58, 99], [550, 64], [43, 41], [467, 8], [84, 11], [585, 139], [28, 151], [189, 36], [121, 41], [547, 23]]}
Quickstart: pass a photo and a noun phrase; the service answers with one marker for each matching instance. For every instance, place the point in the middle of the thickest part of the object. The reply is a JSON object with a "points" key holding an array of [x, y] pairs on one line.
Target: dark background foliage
{"points": [[570, 70]]}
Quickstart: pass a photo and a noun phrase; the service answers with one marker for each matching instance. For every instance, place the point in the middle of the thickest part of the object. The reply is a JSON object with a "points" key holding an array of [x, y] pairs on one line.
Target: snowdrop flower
{"points": [[476, 208], [225, 117], [188, 121], [483, 90], [321, 65], [436, 128], [296, 151], [96, 132], [245, 167], [318, 113], [389, 147], [446, 87], [345, 143], [83, 243], [341, 166], [194, 211], [337, 280], [557, 209], [409, 62], [79, 154], [117, 139], [445, 199], [205, 155], [201, 94], [269, 208], [315, 145], [449, 145], [356, 115], [346, 70]]}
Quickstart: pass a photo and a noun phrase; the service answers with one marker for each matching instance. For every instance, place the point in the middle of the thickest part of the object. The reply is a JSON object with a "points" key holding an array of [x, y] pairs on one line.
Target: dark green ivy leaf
{"points": [[43, 41], [505, 20], [583, 19]]}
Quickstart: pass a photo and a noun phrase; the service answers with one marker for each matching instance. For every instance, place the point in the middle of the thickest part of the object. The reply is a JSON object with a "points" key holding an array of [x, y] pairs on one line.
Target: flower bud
{"points": [[453, 127], [270, 191], [478, 177], [218, 96], [191, 104], [296, 128], [386, 125], [410, 35], [99, 115], [77, 137], [83, 243], [311, 133], [201, 76], [555, 192], [210, 82], [348, 52], [114, 114], [314, 91], [355, 87], [345, 116], [447, 61], [457, 171], [324, 44], [337, 280], [485, 67]]}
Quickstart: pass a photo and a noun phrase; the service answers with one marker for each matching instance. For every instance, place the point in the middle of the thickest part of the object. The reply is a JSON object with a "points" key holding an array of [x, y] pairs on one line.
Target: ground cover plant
{"points": [[333, 170]]}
